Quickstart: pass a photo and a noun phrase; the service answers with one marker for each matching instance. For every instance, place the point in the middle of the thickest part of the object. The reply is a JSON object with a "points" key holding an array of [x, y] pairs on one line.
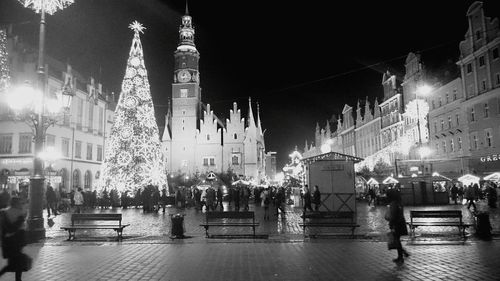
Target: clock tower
{"points": [[186, 98]]}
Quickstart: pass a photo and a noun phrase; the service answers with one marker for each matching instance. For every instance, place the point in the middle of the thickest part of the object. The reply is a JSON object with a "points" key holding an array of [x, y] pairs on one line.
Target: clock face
{"points": [[183, 76]]}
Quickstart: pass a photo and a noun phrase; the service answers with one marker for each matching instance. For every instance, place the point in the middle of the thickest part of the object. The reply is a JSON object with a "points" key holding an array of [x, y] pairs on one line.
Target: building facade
{"points": [[77, 137], [195, 140]]}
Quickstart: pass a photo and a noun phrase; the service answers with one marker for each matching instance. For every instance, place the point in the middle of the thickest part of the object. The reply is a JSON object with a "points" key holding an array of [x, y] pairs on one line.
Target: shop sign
{"points": [[490, 158], [16, 161]]}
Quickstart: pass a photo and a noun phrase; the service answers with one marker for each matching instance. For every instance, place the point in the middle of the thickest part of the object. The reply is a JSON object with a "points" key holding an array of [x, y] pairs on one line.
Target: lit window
{"points": [[184, 93], [489, 138], [235, 160]]}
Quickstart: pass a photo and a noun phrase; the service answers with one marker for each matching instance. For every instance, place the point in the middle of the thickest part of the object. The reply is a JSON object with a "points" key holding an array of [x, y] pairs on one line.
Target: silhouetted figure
{"points": [[316, 198]]}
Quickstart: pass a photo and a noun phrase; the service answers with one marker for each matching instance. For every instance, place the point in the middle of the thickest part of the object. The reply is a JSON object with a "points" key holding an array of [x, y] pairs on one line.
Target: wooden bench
{"points": [[329, 219], [451, 218], [78, 222], [231, 219]]}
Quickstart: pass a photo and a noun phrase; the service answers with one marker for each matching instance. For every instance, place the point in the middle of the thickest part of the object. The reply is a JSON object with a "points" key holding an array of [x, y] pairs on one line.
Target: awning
{"points": [[390, 180], [468, 179], [493, 177], [372, 181]]}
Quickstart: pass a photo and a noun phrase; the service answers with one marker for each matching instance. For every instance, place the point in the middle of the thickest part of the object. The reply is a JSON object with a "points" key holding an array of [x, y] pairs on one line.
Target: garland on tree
{"points": [[4, 62], [133, 157]]}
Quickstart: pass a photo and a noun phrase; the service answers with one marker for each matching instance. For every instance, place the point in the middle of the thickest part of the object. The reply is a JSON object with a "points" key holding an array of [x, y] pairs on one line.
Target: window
{"points": [[486, 110], [89, 151], [66, 119], [50, 140], [208, 137], [449, 122], [459, 142], [65, 147], [474, 141], [79, 113], [433, 104], [483, 85], [76, 179], [472, 115], [481, 61], [495, 53], [447, 98], [444, 146], [437, 147], [99, 152], [452, 146], [440, 102], [235, 136], [489, 138], [25, 143], [91, 117], [78, 149], [469, 68], [442, 124], [208, 161], [457, 117], [435, 127], [87, 180], [184, 93], [5, 144], [100, 127], [454, 94], [235, 160]]}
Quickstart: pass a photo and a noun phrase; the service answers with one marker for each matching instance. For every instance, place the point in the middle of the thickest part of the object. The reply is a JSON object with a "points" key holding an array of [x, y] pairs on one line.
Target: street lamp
{"points": [[40, 111], [41, 105]]}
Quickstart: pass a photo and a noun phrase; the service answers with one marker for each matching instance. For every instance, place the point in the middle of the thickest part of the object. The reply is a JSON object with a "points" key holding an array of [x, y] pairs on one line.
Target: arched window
{"points": [[76, 179], [64, 178], [87, 180], [235, 136]]}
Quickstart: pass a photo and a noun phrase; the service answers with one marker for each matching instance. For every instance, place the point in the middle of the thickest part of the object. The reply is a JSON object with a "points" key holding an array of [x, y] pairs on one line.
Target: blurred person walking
{"points": [[397, 222], [12, 221], [78, 198]]}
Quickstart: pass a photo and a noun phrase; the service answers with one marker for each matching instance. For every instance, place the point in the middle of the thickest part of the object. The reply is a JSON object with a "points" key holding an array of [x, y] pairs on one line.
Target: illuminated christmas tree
{"points": [[4, 62], [133, 157]]}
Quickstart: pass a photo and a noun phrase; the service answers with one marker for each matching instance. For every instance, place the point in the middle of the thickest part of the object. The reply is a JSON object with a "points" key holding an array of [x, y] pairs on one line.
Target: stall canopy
{"points": [[241, 182], [468, 179], [372, 181], [438, 177], [493, 177], [390, 180]]}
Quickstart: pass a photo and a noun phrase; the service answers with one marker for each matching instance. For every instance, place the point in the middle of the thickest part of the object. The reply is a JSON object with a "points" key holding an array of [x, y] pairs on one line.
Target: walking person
{"points": [[316, 198], [163, 198], [397, 223], [210, 199], [264, 195], [454, 193], [492, 195], [78, 198], [50, 195], [12, 224], [470, 195], [371, 194], [307, 199], [220, 196]]}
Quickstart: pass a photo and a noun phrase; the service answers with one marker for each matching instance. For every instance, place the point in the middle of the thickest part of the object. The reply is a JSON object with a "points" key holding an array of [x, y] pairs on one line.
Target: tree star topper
{"points": [[137, 27]]}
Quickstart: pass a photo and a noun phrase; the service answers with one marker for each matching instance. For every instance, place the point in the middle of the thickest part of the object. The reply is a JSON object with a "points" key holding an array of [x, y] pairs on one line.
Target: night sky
{"points": [[301, 60]]}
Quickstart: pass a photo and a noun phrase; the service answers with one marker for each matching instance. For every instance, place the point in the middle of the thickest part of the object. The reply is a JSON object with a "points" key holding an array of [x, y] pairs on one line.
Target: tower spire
{"points": [[251, 122], [259, 125], [187, 10]]}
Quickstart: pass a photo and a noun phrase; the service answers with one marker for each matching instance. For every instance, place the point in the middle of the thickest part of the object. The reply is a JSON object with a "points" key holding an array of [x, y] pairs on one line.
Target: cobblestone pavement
{"points": [[337, 259], [151, 226]]}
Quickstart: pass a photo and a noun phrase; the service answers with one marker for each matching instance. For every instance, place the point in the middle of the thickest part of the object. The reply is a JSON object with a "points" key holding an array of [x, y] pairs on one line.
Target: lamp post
{"points": [[39, 118]]}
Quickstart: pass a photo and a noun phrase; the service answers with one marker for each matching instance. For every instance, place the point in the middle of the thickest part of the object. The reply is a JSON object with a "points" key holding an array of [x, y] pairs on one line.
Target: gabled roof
{"points": [[346, 109]]}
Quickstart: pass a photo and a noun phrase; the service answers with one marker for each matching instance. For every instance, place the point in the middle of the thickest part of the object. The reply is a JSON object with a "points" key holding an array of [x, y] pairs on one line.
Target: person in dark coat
{"points": [[307, 199], [220, 196], [50, 195], [12, 225], [163, 198], [236, 198], [492, 195], [397, 222], [316, 198], [454, 193]]}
